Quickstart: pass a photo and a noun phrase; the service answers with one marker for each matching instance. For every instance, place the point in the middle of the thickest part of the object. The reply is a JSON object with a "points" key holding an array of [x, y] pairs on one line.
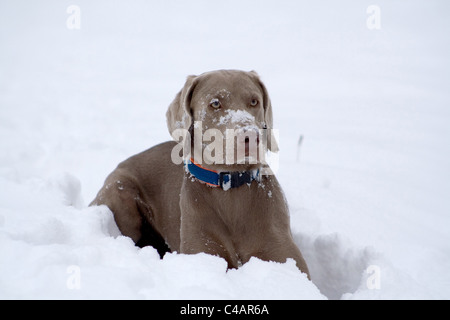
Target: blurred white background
{"points": [[373, 107]]}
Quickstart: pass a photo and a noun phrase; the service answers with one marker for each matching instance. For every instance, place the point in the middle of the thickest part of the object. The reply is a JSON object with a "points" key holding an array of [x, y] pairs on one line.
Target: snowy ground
{"points": [[368, 189]]}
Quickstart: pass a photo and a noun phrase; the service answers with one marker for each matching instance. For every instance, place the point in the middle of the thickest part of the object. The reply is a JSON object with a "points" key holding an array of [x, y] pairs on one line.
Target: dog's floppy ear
{"points": [[272, 144], [179, 114]]}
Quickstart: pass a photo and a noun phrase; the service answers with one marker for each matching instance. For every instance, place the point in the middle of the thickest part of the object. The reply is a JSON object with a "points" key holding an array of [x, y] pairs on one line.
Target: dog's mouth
{"points": [[247, 148], [247, 145], [242, 147], [250, 145]]}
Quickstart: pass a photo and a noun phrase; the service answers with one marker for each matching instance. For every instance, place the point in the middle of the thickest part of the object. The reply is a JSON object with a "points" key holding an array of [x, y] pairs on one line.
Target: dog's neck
{"points": [[222, 179]]}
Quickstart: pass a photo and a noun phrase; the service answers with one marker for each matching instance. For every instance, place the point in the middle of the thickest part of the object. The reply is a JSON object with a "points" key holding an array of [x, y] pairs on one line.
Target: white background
{"points": [[368, 187]]}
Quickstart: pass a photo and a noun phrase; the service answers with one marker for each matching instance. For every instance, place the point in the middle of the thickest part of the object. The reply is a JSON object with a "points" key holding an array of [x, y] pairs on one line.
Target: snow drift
{"points": [[367, 184]]}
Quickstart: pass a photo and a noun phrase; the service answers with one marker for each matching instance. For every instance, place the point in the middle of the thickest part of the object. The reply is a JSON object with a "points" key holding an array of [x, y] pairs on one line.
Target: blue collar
{"points": [[224, 180]]}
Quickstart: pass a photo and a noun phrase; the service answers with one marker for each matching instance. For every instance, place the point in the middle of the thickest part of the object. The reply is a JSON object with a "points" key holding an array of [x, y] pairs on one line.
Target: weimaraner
{"points": [[205, 201]]}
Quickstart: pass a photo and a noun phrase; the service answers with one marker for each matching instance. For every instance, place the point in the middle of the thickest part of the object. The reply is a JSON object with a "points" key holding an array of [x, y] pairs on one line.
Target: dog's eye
{"points": [[254, 102], [215, 103]]}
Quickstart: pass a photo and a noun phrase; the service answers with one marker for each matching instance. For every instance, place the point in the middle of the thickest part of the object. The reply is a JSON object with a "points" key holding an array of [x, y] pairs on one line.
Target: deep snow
{"points": [[367, 187]]}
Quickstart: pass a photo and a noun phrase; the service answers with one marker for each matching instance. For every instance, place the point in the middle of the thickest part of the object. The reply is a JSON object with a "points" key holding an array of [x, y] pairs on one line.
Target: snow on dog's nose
{"points": [[238, 118]]}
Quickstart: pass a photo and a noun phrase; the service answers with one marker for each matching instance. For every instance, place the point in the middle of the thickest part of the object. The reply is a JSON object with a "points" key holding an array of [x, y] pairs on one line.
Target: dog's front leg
{"points": [[280, 253], [200, 233]]}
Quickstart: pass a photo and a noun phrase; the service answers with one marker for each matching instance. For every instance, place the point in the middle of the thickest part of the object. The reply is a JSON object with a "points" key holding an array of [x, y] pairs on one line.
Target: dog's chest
{"points": [[242, 205]]}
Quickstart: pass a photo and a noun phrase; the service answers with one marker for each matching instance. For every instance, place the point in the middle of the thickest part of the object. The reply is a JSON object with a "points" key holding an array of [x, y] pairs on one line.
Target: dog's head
{"points": [[226, 117]]}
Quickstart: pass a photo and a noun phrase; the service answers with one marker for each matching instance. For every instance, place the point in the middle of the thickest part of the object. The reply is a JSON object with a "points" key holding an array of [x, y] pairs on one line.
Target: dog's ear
{"points": [[272, 144], [179, 114]]}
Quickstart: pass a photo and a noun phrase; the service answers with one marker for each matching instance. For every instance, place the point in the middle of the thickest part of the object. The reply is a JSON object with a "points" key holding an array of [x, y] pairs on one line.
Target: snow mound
{"points": [[367, 182], [52, 250]]}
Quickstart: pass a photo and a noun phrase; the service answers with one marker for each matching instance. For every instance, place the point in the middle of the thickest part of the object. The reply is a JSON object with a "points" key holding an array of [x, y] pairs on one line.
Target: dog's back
{"points": [[143, 193]]}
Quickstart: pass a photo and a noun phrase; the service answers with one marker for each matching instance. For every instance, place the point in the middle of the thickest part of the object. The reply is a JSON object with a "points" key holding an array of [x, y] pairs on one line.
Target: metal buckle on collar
{"points": [[228, 180], [225, 180]]}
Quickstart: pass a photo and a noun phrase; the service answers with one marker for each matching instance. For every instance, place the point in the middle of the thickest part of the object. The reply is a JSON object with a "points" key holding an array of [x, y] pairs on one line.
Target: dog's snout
{"points": [[247, 139], [248, 135]]}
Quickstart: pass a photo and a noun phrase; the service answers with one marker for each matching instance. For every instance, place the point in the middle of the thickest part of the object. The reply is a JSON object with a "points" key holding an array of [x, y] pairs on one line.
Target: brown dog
{"points": [[217, 202]]}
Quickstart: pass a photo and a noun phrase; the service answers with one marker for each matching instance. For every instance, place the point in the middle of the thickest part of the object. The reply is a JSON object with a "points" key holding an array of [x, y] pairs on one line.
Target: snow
{"points": [[367, 190], [239, 117]]}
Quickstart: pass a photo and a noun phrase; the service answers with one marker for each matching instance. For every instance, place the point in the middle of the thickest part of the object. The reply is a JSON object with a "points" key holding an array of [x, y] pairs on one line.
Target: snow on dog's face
{"points": [[226, 113]]}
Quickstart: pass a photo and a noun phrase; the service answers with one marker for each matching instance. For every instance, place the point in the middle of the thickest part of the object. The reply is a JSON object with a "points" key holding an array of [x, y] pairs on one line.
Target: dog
{"points": [[191, 196]]}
